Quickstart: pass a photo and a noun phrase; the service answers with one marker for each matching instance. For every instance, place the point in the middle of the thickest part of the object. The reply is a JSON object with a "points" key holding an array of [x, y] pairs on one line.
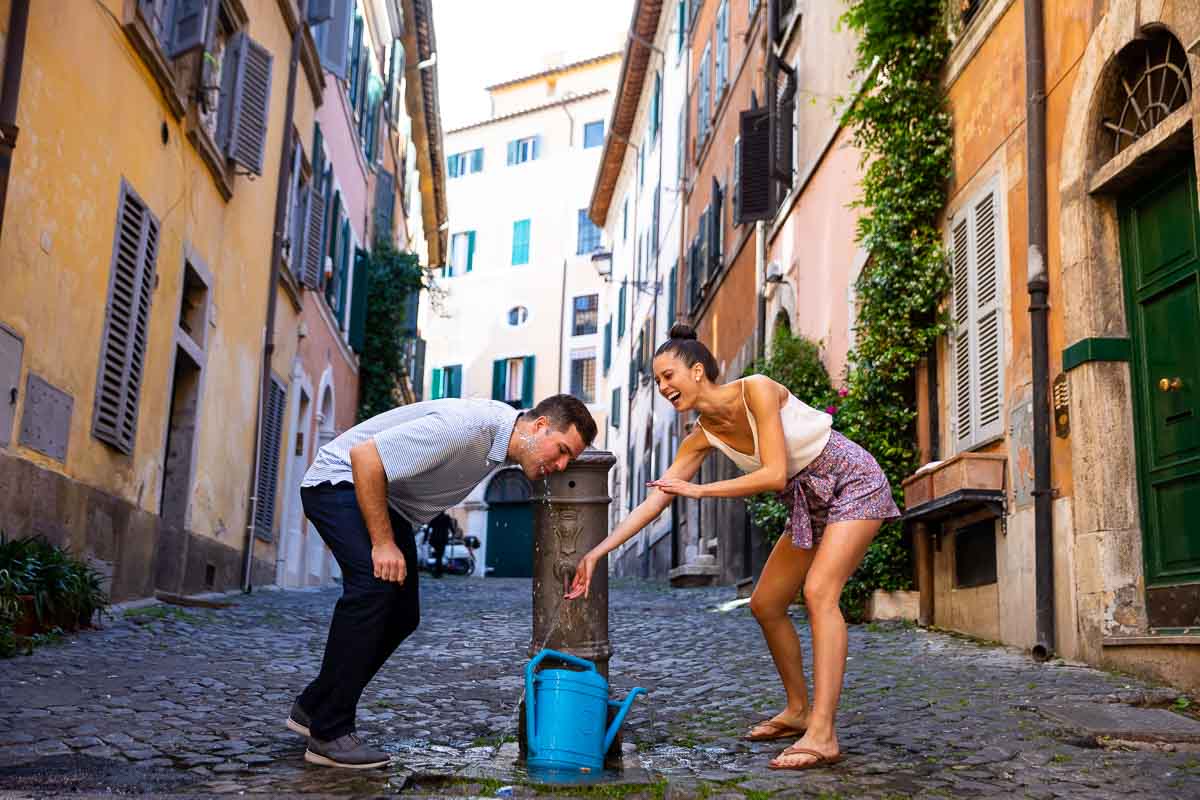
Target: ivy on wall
{"points": [[903, 128], [392, 276]]}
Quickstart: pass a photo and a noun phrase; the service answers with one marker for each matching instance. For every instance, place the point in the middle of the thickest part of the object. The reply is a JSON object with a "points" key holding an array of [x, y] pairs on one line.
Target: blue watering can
{"points": [[565, 714]]}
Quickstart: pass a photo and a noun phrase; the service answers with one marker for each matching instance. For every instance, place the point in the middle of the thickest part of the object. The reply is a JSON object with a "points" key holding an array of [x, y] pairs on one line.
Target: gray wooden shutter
{"points": [[963, 405], [268, 470], [986, 298], [334, 38], [319, 11], [245, 102], [186, 31], [412, 309], [418, 370], [123, 342], [314, 236]]}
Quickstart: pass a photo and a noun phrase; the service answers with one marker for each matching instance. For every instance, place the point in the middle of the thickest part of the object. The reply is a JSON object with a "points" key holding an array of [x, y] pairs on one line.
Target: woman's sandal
{"points": [[822, 760], [778, 730]]}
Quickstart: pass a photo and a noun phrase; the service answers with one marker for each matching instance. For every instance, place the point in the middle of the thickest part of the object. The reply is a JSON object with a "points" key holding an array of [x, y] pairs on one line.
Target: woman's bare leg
{"points": [[775, 590], [841, 551]]}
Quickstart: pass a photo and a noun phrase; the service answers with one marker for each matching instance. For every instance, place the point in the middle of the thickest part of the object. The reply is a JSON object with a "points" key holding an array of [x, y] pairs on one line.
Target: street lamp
{"points": [[602, 261]]}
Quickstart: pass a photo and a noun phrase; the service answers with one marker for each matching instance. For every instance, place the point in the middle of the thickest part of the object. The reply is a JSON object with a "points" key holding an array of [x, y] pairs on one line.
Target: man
{"points": [[365, 492], [439, 534]]}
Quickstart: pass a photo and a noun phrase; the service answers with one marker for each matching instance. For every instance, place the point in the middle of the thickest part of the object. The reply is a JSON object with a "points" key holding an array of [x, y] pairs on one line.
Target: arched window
{"points": [[1148, 81], [517, 315]]}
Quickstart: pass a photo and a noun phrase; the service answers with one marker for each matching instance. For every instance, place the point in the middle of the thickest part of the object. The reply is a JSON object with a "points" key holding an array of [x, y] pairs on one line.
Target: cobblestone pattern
{"points": [[170, 700]]}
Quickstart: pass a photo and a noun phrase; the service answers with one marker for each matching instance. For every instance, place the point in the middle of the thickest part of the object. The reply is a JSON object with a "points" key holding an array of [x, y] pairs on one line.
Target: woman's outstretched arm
{"points": [[687, 462], [763, 398]]}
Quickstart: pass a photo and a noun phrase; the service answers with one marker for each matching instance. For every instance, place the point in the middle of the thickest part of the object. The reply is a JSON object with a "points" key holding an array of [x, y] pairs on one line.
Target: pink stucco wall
{"points": [[816, 248]]}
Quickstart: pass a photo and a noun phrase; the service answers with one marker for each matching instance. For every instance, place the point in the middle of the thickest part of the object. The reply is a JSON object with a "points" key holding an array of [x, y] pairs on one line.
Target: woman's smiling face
{"points": [[676, 381]]}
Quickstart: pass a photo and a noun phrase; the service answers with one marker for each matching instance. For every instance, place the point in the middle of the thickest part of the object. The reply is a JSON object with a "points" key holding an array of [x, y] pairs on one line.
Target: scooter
{"points": [[458, 559]]}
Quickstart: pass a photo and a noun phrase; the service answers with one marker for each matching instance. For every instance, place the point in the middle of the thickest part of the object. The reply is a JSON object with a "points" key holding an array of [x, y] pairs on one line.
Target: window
{"points": [[583, 375], [975, 554], [520, 243], [522, 150], [977, 342], [753, 7], [462, 253], [587, 309], [672, 289], [702, 100], [512, 381], [621, 312], [593, 134], [722, 49], [625, 220], [447, 382], [332, 37], [465, 163], [588, 235], [127, 316], [517, 315]]}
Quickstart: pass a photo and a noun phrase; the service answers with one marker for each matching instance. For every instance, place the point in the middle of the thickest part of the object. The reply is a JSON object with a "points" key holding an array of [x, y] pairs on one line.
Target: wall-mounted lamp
{"points": [[429, 62], [602, 261]]}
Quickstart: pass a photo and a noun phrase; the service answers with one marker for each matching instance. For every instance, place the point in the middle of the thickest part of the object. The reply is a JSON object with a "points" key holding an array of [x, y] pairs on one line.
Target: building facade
{"points": [[190, 255], [1118, 580], [518, 312]]}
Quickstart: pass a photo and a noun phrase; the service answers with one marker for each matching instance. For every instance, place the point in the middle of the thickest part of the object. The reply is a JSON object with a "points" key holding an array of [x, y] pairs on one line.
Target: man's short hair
{"points": [[563, 411]]}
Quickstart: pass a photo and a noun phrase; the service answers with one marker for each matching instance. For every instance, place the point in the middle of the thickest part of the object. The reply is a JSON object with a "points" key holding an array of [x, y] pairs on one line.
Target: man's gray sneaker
{"points": [[298, 721], [349, 752]]}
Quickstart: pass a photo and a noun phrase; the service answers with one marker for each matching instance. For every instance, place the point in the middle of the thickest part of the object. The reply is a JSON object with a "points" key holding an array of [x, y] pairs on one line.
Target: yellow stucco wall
{"points": [[82, 131]]}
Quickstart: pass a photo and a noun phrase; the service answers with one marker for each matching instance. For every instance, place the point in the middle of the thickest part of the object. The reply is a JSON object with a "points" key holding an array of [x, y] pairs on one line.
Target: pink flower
{"points": [[831, 410], [843, 392]]}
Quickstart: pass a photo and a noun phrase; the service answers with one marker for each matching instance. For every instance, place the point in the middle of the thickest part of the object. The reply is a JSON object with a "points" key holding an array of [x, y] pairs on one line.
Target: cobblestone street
{"points": [[181, 701]]}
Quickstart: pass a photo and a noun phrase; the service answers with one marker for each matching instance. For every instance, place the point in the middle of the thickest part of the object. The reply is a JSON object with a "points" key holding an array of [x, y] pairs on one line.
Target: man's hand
{"points": [[583, 577], [389, 562]]}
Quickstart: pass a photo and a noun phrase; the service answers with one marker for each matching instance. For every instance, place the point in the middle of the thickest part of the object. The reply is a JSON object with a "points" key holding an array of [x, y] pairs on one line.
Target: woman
{"points": [[838, 496]]}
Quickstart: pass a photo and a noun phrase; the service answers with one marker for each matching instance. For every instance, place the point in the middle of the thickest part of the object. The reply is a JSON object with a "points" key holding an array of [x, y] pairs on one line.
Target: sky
{"points": [[483, 42]]}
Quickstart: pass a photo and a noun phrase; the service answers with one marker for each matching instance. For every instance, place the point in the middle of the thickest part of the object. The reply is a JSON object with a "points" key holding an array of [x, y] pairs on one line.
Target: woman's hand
{"points": [[676, 486], [583, 576]]}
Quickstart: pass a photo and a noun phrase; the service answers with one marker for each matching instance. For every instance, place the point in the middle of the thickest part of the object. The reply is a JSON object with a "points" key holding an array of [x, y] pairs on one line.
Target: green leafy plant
{"points": [[64, 592], [392, 276], [903, 129]]}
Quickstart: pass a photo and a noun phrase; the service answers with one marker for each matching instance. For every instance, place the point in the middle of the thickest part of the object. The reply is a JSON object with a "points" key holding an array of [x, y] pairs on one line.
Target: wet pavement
{"points": [[171, 701]]}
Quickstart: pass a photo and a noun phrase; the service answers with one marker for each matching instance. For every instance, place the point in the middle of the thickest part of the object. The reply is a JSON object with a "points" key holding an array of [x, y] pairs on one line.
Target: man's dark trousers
{"points": [[372, 616]]}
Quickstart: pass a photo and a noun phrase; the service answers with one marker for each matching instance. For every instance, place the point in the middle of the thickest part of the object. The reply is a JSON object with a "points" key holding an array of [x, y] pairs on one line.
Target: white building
{"points": [[637, 199], [521, 317]]}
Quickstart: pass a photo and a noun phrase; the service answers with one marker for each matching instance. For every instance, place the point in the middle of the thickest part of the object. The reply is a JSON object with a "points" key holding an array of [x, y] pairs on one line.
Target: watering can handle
{"points": [[530, 732], [623, 709]]}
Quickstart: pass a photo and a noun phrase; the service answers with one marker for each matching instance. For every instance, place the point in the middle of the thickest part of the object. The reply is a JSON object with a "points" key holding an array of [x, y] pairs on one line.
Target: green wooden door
{"points": [[510, 540], [1160, 241]]}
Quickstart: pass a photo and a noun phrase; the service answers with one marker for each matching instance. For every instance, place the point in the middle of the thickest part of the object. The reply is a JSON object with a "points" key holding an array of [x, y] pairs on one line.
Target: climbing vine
{"points": [[392, 276], [903, 129]]}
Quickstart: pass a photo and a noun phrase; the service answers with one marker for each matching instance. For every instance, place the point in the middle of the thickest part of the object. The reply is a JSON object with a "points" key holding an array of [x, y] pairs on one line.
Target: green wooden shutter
{"points": [[621, 312], [358, 303], [607, 345], [343, 275], [614, 413], [499, 373], [470, 250], [512, 153], [435, 385], [527, 383], [454, 381]]}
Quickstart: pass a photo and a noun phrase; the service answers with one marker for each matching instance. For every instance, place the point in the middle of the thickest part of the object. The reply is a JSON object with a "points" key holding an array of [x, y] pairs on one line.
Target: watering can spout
{"points": [[623, 709]]}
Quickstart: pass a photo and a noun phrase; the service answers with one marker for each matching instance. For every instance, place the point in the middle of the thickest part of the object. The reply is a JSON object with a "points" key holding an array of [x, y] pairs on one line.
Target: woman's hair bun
{"points": [[681, 331]]}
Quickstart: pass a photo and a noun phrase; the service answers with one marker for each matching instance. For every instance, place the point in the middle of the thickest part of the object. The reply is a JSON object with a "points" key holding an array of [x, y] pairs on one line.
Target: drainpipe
{"points": [[14, 59], [281, 197], [1039, 287]]}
